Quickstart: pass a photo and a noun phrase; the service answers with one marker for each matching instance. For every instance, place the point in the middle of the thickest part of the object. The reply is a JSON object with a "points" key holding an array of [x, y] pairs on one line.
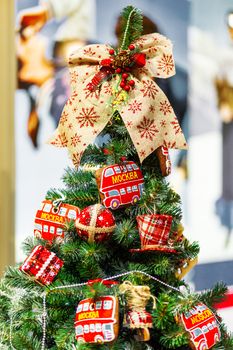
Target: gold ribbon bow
{"points": [[147, 113]]}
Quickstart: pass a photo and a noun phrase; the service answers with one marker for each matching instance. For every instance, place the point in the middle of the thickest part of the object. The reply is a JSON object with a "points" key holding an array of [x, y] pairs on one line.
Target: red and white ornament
{"points": [[95, 223], [97, 321], [202, 327], [42, 265], [120, 184], [154, 230], [51, 218], [137, 317]]}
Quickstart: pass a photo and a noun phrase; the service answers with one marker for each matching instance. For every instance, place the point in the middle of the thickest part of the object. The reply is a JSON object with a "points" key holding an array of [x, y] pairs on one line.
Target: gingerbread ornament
{"points": [[201, 325]]}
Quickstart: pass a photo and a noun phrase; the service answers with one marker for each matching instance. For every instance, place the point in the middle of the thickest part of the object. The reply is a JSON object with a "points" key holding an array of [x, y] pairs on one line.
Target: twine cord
{"points": [[137, 296]]}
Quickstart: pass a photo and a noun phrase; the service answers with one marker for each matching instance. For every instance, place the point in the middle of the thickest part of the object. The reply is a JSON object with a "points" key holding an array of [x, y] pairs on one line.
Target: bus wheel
{"points": [[99, 339], [115, 204], [135, 199]]}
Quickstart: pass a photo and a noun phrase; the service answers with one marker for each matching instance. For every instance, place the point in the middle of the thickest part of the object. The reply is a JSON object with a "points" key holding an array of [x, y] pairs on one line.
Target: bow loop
{"points": [[158, 50]]}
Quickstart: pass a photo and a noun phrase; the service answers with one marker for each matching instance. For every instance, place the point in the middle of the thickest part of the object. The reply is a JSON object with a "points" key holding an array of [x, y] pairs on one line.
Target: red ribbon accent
{"points": [[100, 280]]}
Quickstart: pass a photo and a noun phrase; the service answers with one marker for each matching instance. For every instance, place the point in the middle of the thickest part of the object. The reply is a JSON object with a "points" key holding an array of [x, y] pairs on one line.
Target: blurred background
{"points": [[201, 93]]}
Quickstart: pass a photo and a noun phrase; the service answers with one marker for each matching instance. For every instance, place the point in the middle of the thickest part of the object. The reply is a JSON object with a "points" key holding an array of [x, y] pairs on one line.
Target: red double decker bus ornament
{"points": [[120, 184], [202, 327], [51, 218], [97, 320]]}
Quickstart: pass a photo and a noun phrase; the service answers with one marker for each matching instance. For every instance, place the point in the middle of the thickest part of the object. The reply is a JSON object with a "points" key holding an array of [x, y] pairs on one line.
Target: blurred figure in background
{"points": [[43, 78], [224, 89]]}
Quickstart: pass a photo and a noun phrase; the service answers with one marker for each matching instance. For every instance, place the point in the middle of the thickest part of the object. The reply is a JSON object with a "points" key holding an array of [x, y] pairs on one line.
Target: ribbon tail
{"points": [[151, 121], [79, 125]]}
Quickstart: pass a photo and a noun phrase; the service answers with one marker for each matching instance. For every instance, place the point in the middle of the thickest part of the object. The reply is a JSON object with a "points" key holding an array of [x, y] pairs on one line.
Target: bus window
{"points": [[124, 169], [79, 308], [129, 167], [38, 227], [129, 189], [135, 167], [197, 332], [107, 304], [122, 191], [52, 229], [113, 193], [109, 172], [92, 328], [47, 207], [46, 228], [134, 188], [205, 329], [98, 327], [117, 169], [86, 328], [62, 211], [79, 330], [85, 306], [210, 326], [201, 308], [187, 314], [71, 214], [98, 305], [59, 231]]}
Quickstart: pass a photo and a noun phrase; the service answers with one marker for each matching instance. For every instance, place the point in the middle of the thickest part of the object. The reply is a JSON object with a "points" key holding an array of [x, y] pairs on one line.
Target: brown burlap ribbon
{"points": [[145, 109]]}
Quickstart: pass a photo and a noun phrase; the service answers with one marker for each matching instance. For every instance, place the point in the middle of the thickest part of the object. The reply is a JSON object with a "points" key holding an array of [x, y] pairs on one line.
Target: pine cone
{"points": [[122, 59]]}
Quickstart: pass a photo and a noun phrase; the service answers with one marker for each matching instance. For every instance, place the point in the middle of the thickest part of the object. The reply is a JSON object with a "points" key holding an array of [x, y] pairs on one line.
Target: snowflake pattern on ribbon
{"points": [[135, 106], [87, 117], [147, 128], [166, 64], [146, 112], [149, 89]]}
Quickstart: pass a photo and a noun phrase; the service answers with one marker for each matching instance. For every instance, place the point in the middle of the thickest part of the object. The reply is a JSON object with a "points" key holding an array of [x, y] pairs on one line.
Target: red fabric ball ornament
{"points": [[95, 223], [127, 69], [125, 75], [139, 59], [111, 51], [131, 47], [118, 70], [127, 88], [131, 82]]}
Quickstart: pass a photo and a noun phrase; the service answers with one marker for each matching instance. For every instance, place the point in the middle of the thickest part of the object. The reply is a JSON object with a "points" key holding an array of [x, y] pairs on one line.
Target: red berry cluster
{"points": [[126, 83]]}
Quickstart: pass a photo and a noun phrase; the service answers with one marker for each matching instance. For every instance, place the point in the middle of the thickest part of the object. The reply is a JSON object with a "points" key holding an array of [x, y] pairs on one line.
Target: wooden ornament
{"points": [[120, 184], [97, 321], [201, 326], [186, 267], [51, 218], [164, 160]]}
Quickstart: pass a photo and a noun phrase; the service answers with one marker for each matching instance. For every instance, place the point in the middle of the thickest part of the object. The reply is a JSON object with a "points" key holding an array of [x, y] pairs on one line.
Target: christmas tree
{"points": [[104, 268]]}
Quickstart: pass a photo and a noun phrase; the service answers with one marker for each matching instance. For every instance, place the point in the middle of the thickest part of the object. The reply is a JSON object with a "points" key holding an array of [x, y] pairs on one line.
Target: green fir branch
{"points": [[131, 26]]}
